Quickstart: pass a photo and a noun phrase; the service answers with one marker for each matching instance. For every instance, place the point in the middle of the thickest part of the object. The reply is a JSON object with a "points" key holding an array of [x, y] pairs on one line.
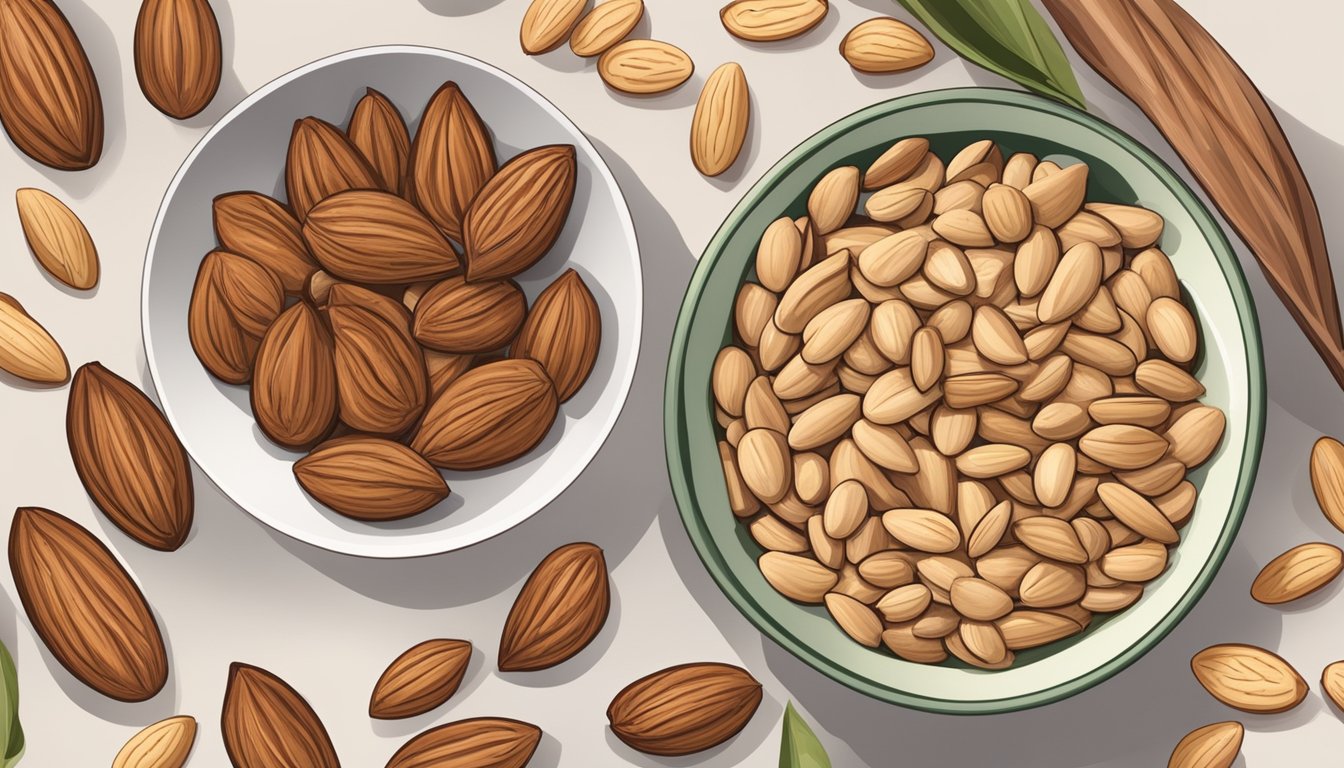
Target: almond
{"points": [[992, 460], [964, 228], [754, 309], [927, 358], [85, 607], [371, 236], [857, 620], [732, 374], [420, 679], [1139, 411], [1165, 380], [1137, 513], [1332, 683], [178, 55], [801, 579], [827, 335], [605, 26], [27, 350], [1327, 478], [489, 416], [763, 459], [1008, 213], [165, 744], [1054, 472], [265, 722], [896, 163], [1073, 284], [368, 478], [722, 116], [262, 229], [322, 162], [380, 371], [379, 132], [779, 256], [1135, 563], [1213, 746], [885, 45], [1057, 197], [58, 239], [816, 289], [563, 332], [1248, 678], [771, 20], [1158, 275], [1195, 434], [469, 318], [740, 499], [924, 529], [952, 430], [1123, 446], [559, 611], [294, 379], [904, 603], [1024, 629], [547, 24], [979, 600], [824, 422], [685, 709], [483, 741], [386, 307], [1172, 329], [129, 459], [233, 302], [1297, 573], [832, 200], [893, 259], [642, 67], [451, 160], [884, 446], [996, 338], [49, 100], [893, 398], [519, 213], [1051, 585]]}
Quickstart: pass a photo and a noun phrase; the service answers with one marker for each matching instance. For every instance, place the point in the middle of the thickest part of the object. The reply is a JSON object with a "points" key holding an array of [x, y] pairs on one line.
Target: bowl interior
{"points": [[246, 151], [1120, 171]]}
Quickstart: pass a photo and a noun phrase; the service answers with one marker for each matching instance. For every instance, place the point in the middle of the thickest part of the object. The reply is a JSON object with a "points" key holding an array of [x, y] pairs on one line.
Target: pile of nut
{"points": [[963, 419]]}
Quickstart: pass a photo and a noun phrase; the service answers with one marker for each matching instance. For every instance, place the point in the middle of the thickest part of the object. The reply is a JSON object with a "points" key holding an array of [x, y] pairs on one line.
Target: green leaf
{"points": [[1007, 37], [798, 746], [11, 733]]}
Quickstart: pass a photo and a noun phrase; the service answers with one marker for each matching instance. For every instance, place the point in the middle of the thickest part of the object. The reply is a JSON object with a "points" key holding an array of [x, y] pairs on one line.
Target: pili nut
{"points": [[293, 391], [885, 45], [488, 416], [642, 67], [684, 709], [262, 229], [381, 382], [27, 350], [519, 213], [233, 302], [605, 25], [369, 478], [265, 722], [49, 100], [559, 611], [722, 116], [85, 607], [1297, 573], [178, 55], [1327, 479], [128, 458], [1212, 746], [1248, 678], [322, 162], [547, 24], [563, 332], [482, 741], [420, 679], [371, 236], [451, 160], [58, 239], [469, 318], [379, 132], [165, 744]]}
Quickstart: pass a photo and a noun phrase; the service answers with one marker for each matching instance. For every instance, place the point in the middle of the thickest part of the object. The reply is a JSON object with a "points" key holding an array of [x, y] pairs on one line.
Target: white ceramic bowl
{"points": [[246, 151]]}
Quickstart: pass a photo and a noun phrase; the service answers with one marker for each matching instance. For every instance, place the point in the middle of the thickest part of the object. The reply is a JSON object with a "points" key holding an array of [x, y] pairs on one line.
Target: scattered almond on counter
{"points": [[770, 20], [481, 741], [882, 45], [643, 67], [420, 679], [685, 709], [265, 722], [58, 239], [722, 118], [178, 55], [1248, 678], [27, 350], [1213, 746], [559, 611], [165, 744], [607, 24]]}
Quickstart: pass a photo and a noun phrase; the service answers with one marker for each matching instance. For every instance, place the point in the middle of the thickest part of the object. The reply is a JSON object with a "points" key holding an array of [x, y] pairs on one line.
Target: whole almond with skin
{"points": [[770, 20], [1138, 227], [27, 350], [1332, 683], [178, 55], [85, 607], [371, 236], [57, 238], [482, 742], [351, 295], [563, 332], [1297, 573], [519, 213], [444, 369], [605, 26], [323, 162], [451, 159], [129, 459], [731, 376], [1327, 479], [722, 116], [469, 318], [642, 67], [1051, 585], [262, 229], [165, 744], [547, 23], [882, 45], [559, 611], [1213, 746], [684, 709], [49, 100], [379, 132], [369, 478], [420, 679], [233, 302], [1248, 678], [381, 381], [265, 723], [489, 416], [294, 379]]}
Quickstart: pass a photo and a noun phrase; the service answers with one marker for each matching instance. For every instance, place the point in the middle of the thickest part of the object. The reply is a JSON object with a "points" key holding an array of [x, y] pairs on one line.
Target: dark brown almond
{"points": [[369, 478], [379, 131], [233, 302], [267, 724], [685, 709], [351, 295], [560, 610], [563, 332], [294, 379], [322, 162], [489, 416], [178, 55], [469, 318], [420, 679], [376, 237], [444, 368], [482, 742], [519, 213], [262, 229], [380, 371], [451, 159]]}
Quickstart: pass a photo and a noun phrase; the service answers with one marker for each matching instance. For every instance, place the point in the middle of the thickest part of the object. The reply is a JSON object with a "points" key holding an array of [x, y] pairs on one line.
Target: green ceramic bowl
{"points": [[1231, 369]]}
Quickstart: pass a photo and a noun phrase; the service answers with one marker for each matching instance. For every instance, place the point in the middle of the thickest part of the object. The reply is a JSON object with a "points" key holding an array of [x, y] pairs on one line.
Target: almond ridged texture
{"points": [[130, 461], [469, 318], [452, 158], [519, 213], [379, 132], [233, 302], [294, 379], [1213, 746], [381, 381], [262, 229], [85, 607], [27, 350], [482, 742], [563, 332], [58, 239], [722, 116], [643, 67], [885, 45], [685, 709], [1248, 678], [351, 295], [559, 611], [267, 724], [489, 416], [371, 236], [422, 678], [369, 478], [604, 26], [547, 23], [322, 162], [165, 744], [49, 100], [769, 20], [178, 55]]}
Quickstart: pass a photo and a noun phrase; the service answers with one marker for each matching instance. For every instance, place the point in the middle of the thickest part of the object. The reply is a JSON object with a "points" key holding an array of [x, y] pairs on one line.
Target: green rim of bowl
{"points": [[681, 405]]}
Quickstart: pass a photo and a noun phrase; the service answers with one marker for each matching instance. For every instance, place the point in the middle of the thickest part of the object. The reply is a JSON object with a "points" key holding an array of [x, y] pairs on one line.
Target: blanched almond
{"points": [[798, 578], [1072, 285], [833, 199], [923, 529]]}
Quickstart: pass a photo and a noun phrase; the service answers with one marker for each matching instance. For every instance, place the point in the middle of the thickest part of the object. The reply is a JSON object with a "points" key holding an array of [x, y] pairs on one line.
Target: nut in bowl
{"points": [[419, 300], [981, 405]]}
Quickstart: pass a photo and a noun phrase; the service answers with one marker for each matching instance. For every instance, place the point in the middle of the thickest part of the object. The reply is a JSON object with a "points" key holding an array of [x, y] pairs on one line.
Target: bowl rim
{"points": [[624, 374], [677, 451]]}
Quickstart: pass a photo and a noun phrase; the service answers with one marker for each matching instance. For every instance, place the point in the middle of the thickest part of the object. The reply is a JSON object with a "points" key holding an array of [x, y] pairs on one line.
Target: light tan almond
{"points": [[1057, 197], [800, 579], [604, 26], [722, 116], [902, 641], [1156, 479], [1100, 315], [896, 164], [1248, 678], [1327, 479], [1137, 513], [1060, 421], [762, 409], [1054, 473], [547, 24], [775, 535], [1135, 563], [27, 350], [858, 621], [1101, 352], [926, 358], [732, 374], [1138, 227], [816, 289], [1051, 537], [982, 639], [869, 539], [952, 430], [1139, 411], [974, 389], [763, 459], [947, 267], [893, 325], [884, 446], [1093, 536], [1332, 683], [1165, 380], [1297, 573], [979, 600], [828, 551], [770, 20], [938, 572], [57, 238], [1084, 227], [1007, 213], [893, 259], [989, 531], [1048, 380], [958, 648], [1123, 446], [644, 66], [1043, 340], [1157, 273], [964, 228], [904, 603], [1196, 434], [1037, 259], [1005, 567], [1110, 599], [779, 256], [1213, 746], [1051, 585], [833, 198], [1172, 329], [885, 45], [1018, 169], [1072, 285], [827, 335], [165, 744], [893, 398], [887, 570], [959, 196], [1045, 169], [923, 529], [992, 460], [1024, 629], [740, 499], [824, 422], [846, 509], [849, 463], [996, 338]]}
